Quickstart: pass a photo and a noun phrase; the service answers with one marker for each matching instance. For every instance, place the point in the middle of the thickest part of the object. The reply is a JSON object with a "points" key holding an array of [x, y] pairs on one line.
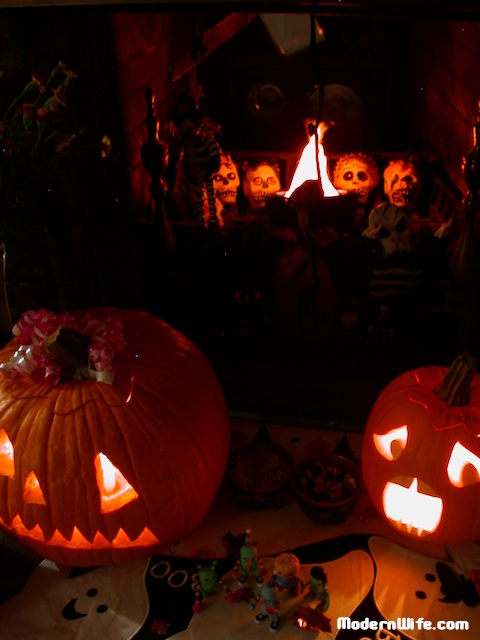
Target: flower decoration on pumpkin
{"points": [[65, 347], [37, 132]]}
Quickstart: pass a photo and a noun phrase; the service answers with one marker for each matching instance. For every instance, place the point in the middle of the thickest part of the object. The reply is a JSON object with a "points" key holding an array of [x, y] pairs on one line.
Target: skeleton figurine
{"points": [[261, 180], [201, 156], [358, 175], [402, 184], [226, 183], [389, 224]]}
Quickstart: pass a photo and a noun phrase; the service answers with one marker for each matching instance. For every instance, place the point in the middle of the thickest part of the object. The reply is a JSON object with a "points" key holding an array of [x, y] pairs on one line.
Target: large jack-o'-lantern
{"points": [[421, 453], [92, 471]]}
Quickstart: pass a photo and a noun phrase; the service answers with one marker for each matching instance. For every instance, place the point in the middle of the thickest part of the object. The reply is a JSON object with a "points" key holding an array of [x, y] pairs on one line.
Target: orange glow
{"points": [[302, 623], [115, 490], [391, 444], [32, 492], [7, 465], [410, 508], [78, 540], [463, 467], [307, 167]]}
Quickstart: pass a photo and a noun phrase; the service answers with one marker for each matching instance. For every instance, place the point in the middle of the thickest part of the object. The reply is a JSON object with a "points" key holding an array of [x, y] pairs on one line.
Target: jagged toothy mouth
{"points": [[402, 195], [412, 510], [78, 540]]}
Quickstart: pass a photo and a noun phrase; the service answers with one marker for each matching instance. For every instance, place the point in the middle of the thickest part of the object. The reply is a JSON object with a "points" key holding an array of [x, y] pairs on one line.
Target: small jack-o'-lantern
{"points": [[357, 174], [421, 453], [402, 184], [260, 181], [226, 182], [94, 472]]}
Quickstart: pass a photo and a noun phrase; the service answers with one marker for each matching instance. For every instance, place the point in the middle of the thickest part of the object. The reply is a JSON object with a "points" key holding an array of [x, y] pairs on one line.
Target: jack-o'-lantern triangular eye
{"points": [[32, 491], [7, 461], [463, 467], [115, 490], [390, 445]]}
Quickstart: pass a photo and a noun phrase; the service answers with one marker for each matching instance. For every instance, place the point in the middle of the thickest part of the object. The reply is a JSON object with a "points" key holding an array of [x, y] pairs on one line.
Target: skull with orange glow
{"points": [[356, 174], [226, 182], [261, 180], [402, 184], [421, 456]]}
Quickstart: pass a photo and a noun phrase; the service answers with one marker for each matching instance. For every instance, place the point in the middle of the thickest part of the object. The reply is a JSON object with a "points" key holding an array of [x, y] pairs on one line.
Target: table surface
{"points": [[159, 608]]}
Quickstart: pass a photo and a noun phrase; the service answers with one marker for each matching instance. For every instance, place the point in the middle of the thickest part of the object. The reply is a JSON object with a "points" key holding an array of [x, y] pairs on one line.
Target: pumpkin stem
{"points": [[455, 387], [70, 349]]}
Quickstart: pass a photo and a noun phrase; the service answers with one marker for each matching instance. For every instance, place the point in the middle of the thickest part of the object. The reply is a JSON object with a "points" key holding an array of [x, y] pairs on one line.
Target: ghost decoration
{"points": [[109, 603], [261, 180], [402, 184], [356, 174]]}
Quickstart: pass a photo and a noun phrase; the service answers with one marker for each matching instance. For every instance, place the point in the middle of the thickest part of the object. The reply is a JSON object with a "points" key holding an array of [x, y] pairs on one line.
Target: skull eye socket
{"points": [[7, 458], [390, 445], [272, 180], [348, 175], [362, 176], [231, 175], [257, 181], [463, 467]]}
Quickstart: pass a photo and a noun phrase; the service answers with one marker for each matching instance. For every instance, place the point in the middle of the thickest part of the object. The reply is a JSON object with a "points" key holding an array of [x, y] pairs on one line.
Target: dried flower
{"points": [[37, 132]]}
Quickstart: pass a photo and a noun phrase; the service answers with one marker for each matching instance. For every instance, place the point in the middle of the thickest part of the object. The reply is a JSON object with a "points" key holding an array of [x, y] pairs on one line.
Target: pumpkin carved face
{"points": [[93, 473], [421, 458]]}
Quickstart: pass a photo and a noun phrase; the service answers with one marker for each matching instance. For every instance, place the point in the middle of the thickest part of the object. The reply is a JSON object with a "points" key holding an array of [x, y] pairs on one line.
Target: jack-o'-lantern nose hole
{"points": [[115, 490], [7, 465]]}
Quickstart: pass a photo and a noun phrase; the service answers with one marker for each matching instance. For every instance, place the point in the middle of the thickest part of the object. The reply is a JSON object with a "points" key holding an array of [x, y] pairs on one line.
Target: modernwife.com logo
{"points": [[402, 624]]}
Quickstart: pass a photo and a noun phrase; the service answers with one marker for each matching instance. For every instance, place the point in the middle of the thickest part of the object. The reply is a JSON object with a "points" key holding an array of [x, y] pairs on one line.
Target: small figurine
{"points": [[206, 583], [402, 184], [269, 606], [319, 588], [286, 574], [248, 563], [357, 174]]}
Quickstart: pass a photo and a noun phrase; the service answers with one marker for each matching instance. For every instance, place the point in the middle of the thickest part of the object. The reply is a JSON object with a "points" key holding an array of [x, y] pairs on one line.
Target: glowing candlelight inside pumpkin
{"points": [[307, 168]]}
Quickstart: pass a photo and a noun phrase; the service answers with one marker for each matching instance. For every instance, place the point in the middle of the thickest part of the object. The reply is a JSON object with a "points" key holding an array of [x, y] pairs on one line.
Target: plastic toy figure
{"points": [[319, 588], [269, 606], [286, 570], [261, 180], [248, 563], [206, 584]]}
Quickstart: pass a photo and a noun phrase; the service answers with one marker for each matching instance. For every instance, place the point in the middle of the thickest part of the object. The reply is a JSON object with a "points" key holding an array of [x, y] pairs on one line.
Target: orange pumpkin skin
{"points": [[437, 437], [163, 424]]}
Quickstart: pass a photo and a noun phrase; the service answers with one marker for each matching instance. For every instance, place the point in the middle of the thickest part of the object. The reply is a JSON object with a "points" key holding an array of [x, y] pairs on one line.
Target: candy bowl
{"points": [[326, 488]]}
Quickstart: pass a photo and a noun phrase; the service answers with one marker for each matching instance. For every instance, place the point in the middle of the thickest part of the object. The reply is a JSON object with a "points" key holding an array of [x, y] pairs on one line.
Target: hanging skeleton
{"points": [[201, 156]]}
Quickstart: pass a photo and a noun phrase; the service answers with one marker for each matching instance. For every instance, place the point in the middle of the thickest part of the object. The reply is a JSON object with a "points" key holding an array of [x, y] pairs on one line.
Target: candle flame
{"points": [[307, 169]]}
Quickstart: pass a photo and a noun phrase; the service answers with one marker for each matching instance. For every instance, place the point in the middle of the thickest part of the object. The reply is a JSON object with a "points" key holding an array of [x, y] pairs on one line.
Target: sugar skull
{"points": [[226, 182], [261, 180], [357, 174], [402, 184]]}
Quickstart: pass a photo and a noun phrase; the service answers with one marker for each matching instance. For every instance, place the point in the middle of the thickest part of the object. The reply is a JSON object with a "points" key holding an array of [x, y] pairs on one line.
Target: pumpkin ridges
{"points": [[174, 432]]}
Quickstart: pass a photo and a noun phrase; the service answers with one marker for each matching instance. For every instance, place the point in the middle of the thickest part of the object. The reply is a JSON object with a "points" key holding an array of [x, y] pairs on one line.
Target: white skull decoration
{"points": [[357, 174], [390, 225], [402, 184], [260, 181], [226, 182]]}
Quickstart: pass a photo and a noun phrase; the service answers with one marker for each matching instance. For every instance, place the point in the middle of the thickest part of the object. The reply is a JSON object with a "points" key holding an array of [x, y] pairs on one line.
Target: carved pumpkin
{"points": [[421, 453], [93, 473]]}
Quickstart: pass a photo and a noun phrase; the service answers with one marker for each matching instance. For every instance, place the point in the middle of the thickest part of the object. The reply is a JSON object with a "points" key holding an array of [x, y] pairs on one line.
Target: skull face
{"points": [[356, 174], [402, 184], [226, 182], [261, 181], [391, 226]]}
